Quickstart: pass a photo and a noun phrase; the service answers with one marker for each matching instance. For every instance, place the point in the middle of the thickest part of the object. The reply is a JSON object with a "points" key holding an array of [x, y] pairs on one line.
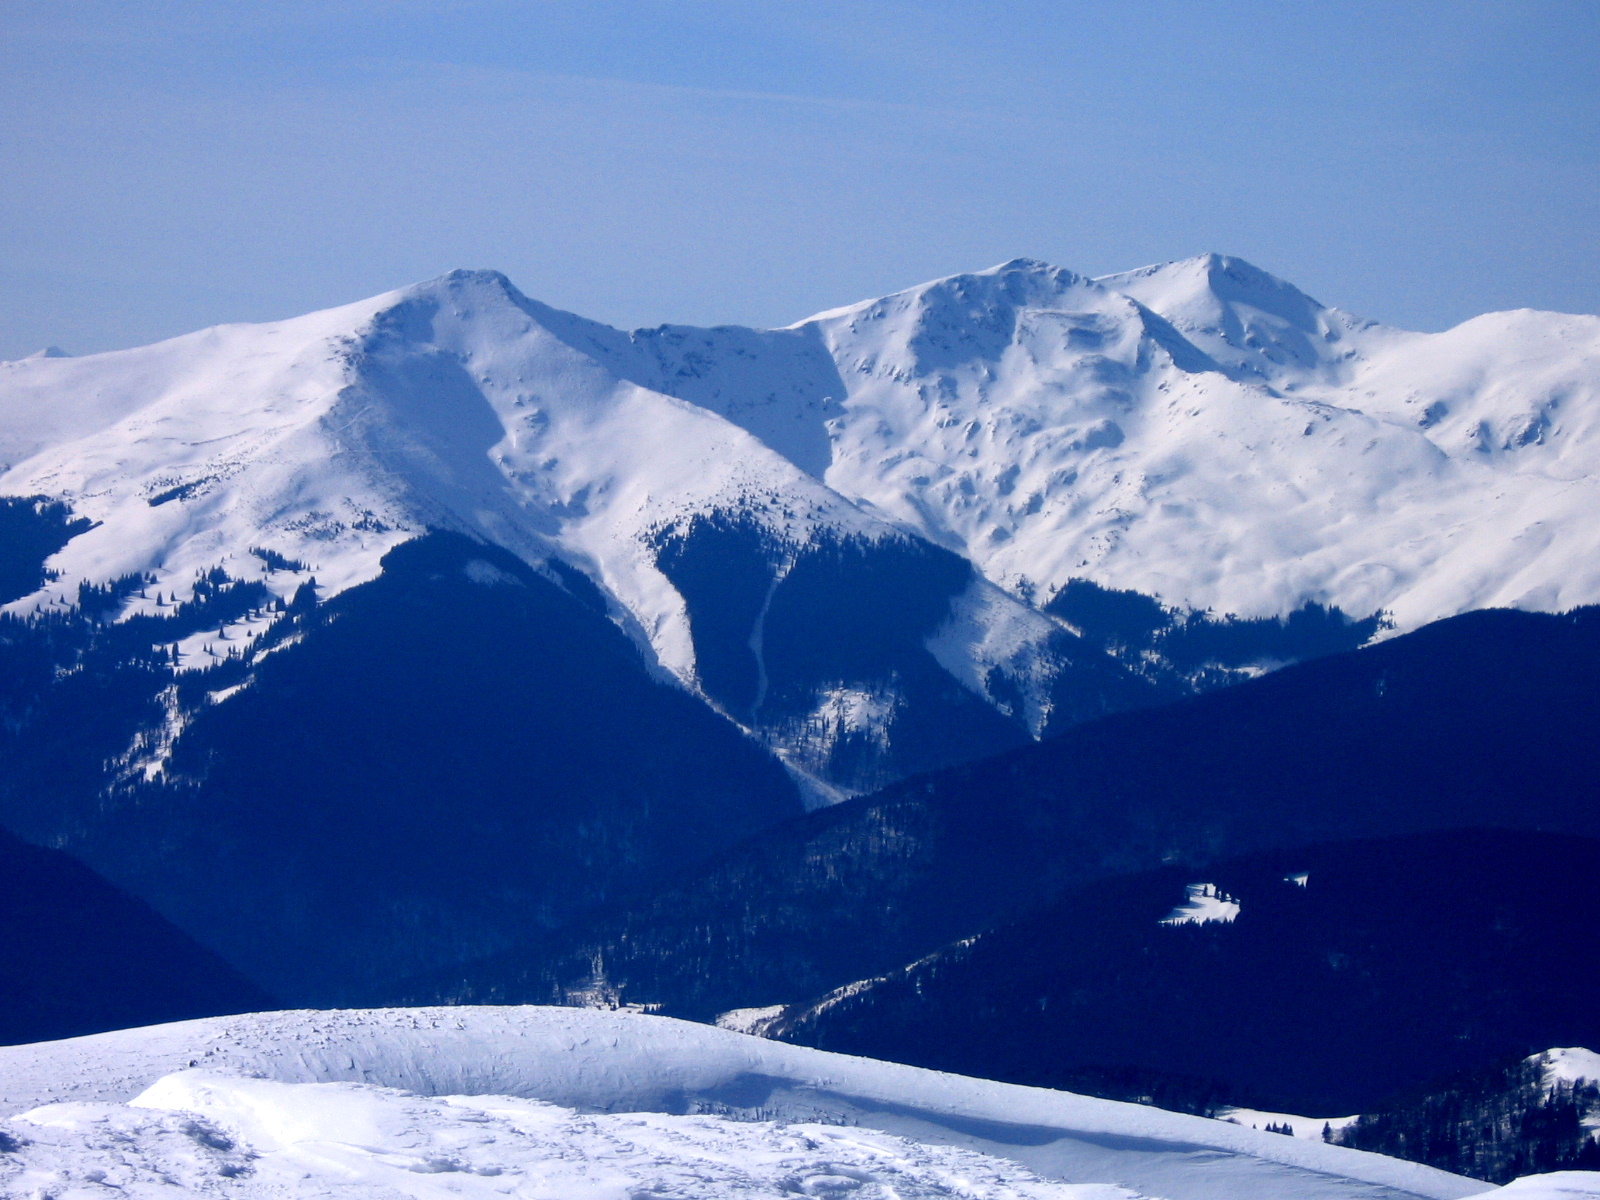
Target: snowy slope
{"points": [[1558, 1185], [1275, 452], [332, 437], [1573, 1065], [199, 1132], [1569, 1064], [302, 1092], [1198, 431]]}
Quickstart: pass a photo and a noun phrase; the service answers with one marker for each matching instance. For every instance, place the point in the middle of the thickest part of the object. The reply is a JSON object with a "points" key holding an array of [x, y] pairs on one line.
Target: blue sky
{"points": [[165, 166]]}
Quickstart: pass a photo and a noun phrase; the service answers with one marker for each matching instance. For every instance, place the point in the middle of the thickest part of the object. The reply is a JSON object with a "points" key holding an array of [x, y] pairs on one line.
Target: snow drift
{"points": [[277, 1103]]}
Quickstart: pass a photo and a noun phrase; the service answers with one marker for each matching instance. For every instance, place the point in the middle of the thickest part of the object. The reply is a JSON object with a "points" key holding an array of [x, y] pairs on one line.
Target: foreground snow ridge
{"points": [[580, 1104], [254, 1137]]}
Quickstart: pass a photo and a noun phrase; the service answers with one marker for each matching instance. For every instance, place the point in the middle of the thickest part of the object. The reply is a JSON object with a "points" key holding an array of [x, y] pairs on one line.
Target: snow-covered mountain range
{"points": [[361, 643], [377, 645], [1199, 432]]}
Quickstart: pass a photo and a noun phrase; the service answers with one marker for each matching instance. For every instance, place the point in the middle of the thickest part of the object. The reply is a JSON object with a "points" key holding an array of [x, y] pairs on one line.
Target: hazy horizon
{"points": [[170, 167]]}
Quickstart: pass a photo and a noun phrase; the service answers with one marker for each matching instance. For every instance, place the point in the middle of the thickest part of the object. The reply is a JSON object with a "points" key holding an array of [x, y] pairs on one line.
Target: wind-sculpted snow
{"points": [[222, 1134], [1558, 1185], [578, 1104]]}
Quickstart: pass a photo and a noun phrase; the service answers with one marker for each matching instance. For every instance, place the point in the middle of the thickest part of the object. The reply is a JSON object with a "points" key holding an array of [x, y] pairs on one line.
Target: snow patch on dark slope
{"points": [[859, 660], [1395, 962]]}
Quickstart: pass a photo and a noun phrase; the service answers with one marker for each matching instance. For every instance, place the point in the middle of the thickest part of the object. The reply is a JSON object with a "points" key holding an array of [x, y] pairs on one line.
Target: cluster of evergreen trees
{"points": [[83, 678], [32, 528], [1494, 1124], [1191, 650], [274, 561]]}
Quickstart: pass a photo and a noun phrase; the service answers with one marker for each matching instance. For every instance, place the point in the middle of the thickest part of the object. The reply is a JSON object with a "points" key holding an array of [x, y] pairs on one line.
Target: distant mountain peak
{"points": [[1031, 267], [1017, 282], [1192, 286], [1025, 282], [1251, 323]]}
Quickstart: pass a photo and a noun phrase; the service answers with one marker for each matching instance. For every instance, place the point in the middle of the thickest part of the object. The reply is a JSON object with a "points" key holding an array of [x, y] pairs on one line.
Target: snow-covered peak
{"points": [[460, 404], [1199, 430], [191, 450], [957, 321], [1250, 322], [1206, 433], [1209, 282], [1018, 276], [456, 403]]}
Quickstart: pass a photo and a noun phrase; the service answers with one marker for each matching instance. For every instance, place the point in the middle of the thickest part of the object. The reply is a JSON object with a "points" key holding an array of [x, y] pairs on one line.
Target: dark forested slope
{"points": [[80, 956], [1341, 975], [1486, 719], [409, 774]]}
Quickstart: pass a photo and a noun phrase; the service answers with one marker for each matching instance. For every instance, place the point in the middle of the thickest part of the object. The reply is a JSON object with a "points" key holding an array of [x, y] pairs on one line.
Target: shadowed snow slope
{"points": [[612, 1063]]}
